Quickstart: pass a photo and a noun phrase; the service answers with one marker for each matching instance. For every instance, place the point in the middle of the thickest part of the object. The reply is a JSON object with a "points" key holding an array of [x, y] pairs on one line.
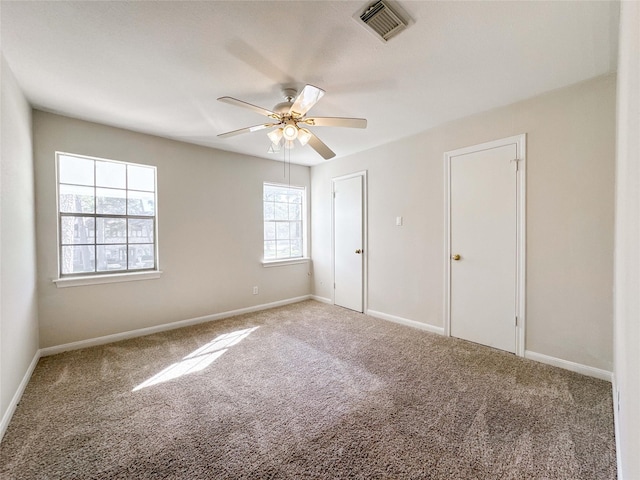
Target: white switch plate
{"points": [[255, 290], [398, 221]]}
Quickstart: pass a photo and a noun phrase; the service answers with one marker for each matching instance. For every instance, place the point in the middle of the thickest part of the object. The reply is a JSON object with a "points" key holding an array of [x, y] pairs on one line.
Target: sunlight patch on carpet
{"points": [[199, 359]]}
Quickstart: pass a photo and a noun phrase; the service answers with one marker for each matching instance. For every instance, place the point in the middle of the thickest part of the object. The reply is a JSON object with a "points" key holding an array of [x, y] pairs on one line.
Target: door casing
{"points": [[520, 142], [365, 246]]}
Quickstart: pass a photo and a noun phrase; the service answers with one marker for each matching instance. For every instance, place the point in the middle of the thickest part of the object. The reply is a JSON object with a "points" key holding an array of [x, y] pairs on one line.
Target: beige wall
{"points": [[18, 307], [627, 280], [570, 212], [210, 234]]}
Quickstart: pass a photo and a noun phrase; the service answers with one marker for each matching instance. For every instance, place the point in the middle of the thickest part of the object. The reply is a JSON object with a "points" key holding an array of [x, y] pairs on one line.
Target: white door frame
{"points": [[520, 164], [365, 229]]}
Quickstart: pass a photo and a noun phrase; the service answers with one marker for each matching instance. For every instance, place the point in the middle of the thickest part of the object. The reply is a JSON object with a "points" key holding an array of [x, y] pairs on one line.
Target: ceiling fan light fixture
{"points": [[275, 136], [290, 131], [304, 136]]}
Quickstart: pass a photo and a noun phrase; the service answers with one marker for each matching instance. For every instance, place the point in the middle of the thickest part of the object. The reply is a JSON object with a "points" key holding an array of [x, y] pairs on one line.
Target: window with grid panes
{"points": [[107, 216], [284, 208]]}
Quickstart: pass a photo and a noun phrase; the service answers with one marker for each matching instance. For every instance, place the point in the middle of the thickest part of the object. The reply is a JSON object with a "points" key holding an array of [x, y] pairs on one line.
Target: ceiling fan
{"points": [[291, 121]]}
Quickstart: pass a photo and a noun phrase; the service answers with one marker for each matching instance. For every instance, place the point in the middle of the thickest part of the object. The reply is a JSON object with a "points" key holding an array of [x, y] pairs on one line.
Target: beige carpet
{"points": [[307, 391]]}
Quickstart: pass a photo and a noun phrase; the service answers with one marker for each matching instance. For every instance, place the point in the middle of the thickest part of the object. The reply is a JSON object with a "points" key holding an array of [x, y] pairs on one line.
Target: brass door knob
{"points": [[456, 257], [358, 251]]}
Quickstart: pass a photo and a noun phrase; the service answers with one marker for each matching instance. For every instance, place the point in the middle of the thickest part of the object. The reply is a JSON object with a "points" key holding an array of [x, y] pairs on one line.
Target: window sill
{"points": [[288, 261], [113, 278]]}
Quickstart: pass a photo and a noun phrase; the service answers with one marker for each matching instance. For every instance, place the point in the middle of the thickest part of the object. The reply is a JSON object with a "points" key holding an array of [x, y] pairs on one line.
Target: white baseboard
{"points": [[322, 299], [167, 326], [406, 321], [6, 418], [567, 365]]}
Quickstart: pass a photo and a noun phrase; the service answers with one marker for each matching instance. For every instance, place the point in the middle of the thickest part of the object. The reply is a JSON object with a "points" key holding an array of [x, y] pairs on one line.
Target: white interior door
{"points": [[348, 242], [483, 246]]}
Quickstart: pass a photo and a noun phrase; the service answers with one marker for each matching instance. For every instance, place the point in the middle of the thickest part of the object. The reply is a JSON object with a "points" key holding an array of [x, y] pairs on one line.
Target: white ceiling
{"points": [[158, 67]]}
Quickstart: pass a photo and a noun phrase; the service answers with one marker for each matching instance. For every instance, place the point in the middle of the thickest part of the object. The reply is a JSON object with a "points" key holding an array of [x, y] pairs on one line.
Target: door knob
{"points": [[456, 257], [358, 251]]}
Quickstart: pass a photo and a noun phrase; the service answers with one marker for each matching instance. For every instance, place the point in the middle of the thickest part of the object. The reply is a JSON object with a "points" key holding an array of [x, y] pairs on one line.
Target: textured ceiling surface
{"points": [[158, 67]]}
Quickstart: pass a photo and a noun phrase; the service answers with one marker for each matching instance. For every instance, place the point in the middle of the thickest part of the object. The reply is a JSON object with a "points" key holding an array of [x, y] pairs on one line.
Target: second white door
{"points": [[348, 245]]}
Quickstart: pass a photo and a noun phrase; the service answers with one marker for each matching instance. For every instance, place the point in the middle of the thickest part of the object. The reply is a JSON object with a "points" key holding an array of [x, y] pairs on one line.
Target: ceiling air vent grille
{"points": [[382, 20]]}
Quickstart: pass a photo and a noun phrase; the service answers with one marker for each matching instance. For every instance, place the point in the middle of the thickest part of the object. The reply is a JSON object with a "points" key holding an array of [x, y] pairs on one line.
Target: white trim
{"points": [[365, 237], [616, 423], [65, 282], [328, 301], [8, 414], [568, 365], [406, 321], [287, 261], [155, 221], [305, 226], [167, 326], [521, 252]]}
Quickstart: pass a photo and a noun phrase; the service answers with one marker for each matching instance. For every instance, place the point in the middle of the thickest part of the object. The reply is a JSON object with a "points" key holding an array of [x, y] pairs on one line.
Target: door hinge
{"points": [[334, 194], [516, 320], [515, 162], [334, 286]]}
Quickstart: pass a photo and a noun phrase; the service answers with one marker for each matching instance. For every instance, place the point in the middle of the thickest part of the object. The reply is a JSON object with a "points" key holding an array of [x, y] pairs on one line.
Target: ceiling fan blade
{"points": [[250, 106], [336, 122], [319, 146], [307, 98], [240, 131]]}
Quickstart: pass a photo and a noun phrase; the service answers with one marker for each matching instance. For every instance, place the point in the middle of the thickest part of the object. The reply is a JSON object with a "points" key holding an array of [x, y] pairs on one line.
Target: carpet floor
{"points": [[306, 391]]}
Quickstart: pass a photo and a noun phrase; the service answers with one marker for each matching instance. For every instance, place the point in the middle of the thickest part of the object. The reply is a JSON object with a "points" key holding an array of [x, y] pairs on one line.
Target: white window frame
{"points": [[99, 277], [287, 260]]}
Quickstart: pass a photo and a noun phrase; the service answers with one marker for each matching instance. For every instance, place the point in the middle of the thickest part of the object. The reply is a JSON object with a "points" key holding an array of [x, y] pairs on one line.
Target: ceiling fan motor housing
{"points": [[289, 94], [282, 107]]}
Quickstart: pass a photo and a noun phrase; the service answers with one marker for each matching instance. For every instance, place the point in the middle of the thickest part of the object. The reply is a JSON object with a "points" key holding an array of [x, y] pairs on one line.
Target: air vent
{"points": [[382, 20]]}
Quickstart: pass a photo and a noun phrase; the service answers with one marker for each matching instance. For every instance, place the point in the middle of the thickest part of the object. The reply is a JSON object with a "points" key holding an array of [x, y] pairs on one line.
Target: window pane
{"points": [[296, 248], [77, 230], [141, 178], [269, 231], [112, 257], [140, 231], [78, 259], [111, 201], [111, 230], [74, 199], [282, 195], [295, 230], [78, 171], [111, 174], [141, 256], [269, 211], [283, 221], [269, 250], [282, 231], [141, 203], [295, 211], [283, 249], [282, 211], [269, 193], [97, 199]]}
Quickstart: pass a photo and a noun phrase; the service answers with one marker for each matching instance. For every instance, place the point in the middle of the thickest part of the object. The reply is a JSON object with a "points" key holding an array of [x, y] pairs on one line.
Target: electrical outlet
{"points": [[255, 290]]}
